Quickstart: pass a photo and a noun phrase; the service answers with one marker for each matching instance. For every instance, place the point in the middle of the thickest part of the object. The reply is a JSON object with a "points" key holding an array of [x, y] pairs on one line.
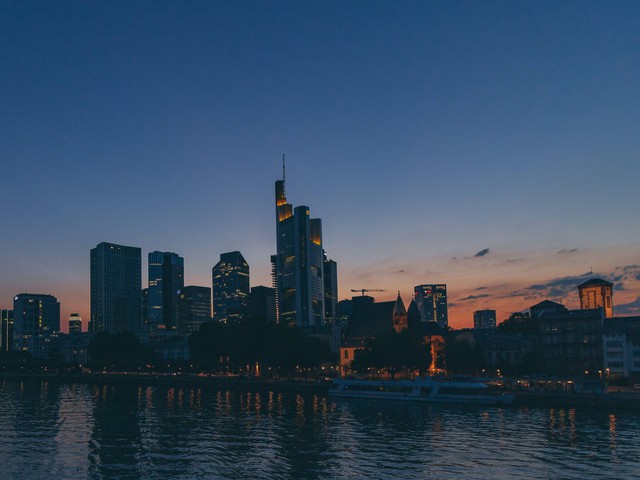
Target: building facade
{"points": [[597, 293], [75, 323], [571, 342], [299, 264], [621, 346], [432, 303], [230, 282], [330, 291], [166, 279], [263, 303], [116, 285], [484, 319], [6, 330], [194, 308], [35, 316]]}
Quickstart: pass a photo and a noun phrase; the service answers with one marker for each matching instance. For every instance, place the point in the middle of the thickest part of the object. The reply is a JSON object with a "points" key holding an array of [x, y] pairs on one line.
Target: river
{"points": [[59, 430]]}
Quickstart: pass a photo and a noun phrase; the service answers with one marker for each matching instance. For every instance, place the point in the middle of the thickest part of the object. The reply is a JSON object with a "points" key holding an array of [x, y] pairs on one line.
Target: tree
{"points": [[518, 322], [119, 351], [393, 352], [461, 357]]}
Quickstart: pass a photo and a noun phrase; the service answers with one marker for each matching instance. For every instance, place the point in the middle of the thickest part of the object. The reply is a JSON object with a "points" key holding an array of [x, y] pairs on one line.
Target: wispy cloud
{"points": [[482, 252], [566, 251], [631, 308], [475, 297]]}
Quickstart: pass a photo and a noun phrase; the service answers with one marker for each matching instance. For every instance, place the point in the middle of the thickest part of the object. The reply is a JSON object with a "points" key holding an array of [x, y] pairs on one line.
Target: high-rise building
{"points": [[432, 303], [34, 315], [6, 330], [166, 279], [194, 308], [484, 319], [116, 283], [597, 293], [299, 266], [230, 281], [263, 303], [330, 291], [75, 323]]}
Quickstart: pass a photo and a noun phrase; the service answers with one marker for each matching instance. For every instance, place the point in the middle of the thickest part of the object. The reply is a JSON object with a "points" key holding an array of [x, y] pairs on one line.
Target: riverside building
{"points": [[116, 285]]}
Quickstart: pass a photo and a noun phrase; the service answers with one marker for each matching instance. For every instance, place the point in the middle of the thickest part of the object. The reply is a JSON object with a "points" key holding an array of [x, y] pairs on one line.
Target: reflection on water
{"points": [[53, 430]]}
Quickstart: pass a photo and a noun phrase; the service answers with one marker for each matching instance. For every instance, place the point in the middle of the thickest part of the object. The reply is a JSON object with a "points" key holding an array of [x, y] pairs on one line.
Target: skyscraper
{"points": [[194, 308], [432, 303], [330, 291], [166, 279], [230, 281], [34, 315], [299, 265], [75, 323], [6, 330], [263, 303], [116, 283]]}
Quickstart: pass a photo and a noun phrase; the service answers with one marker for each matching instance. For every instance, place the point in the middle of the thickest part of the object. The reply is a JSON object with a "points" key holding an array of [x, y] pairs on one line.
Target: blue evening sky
{"points": [[420, 132]]}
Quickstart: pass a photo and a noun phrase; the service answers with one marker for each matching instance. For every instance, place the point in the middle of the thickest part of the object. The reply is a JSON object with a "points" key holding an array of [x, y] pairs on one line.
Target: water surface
{"points": [[58, 430]]}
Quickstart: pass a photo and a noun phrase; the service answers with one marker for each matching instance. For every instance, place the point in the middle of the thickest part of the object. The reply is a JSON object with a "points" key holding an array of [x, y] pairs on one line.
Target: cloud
{"points": [[566, 251], [475, 297], [557, 287], [482, 252], [481, 288], [399, 271], [515, 260], [618, 286], [628, 308]]}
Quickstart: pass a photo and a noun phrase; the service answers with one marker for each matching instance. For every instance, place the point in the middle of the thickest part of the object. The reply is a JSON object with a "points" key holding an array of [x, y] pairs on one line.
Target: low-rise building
{"points": [[621, 346]]}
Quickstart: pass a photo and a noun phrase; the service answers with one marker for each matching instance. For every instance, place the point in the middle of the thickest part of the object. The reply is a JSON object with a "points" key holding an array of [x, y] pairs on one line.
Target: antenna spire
{"points": [[283, 176]]}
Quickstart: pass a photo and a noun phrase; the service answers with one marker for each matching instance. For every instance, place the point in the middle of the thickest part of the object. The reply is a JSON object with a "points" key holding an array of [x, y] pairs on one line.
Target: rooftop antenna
{"points": [[283, 177]]}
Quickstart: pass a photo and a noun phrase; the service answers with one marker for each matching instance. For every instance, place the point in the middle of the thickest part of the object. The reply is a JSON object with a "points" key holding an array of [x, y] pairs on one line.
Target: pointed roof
{"points": [[595, 282], [398, 308], [413, 311]]}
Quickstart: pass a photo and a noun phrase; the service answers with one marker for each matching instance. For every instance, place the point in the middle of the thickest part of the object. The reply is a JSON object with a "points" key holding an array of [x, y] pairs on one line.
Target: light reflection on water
{"points": [[52, 430]]}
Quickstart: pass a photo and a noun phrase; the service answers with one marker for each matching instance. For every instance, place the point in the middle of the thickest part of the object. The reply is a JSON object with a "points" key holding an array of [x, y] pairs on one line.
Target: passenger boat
{"points": [[420, 390]]}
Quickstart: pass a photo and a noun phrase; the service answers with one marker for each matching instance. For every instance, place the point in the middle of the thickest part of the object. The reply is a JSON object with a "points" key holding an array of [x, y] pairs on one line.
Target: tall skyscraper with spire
{"points": [[298, 263]]}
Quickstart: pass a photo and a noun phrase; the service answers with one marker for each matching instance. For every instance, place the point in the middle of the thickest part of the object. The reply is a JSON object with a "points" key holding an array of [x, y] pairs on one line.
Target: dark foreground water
{"points": [[56, 430]]}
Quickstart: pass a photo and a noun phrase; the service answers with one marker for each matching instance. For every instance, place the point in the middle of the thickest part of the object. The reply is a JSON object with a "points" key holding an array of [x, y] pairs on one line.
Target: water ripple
{"points": [[103, 432]]}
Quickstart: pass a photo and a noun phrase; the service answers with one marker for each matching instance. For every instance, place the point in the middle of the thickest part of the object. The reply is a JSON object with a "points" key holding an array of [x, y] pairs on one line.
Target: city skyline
{"points": [[490, 148]]}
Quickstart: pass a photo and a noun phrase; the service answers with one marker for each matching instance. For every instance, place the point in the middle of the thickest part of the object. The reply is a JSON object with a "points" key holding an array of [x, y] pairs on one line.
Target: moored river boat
{"points": [[420, 390]]}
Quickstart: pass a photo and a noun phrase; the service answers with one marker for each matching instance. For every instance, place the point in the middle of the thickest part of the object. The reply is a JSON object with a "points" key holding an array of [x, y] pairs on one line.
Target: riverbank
{"points": [[171, 379], [610, 400]]}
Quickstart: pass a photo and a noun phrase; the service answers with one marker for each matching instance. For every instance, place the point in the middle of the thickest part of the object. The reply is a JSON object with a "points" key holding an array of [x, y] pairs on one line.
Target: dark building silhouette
{"points": [[369, 319], [166, 279], [432, 303], [330, 291], [546, 306], [299, 264], [571, 341], [597, 293], [6, 330], [484, 319], [263, 303], [34, 315], [194, 308], [116, 284], [230, 287]]}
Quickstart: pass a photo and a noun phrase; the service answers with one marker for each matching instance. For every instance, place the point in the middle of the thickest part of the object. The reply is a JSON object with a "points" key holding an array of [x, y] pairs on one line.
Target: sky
{"points": [[491, 146]]}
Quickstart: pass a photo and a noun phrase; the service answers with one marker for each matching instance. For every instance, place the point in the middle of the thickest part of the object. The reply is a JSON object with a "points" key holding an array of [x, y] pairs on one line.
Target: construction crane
{"points": [[363, 290]]}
